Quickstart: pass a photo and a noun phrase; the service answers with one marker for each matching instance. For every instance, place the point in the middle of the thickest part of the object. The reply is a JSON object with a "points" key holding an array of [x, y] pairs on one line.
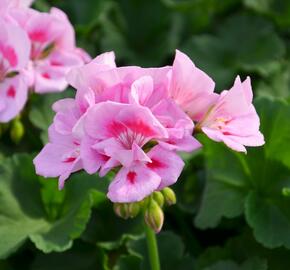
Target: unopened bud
{"points": [[158, 197], [154, 216], [16, 131], [286, 192], [169, 196], [127, 210]]}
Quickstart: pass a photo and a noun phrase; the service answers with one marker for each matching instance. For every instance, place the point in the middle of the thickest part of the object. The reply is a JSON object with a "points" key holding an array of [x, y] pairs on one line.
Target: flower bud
{"points": [[127, 210], [169, 196], [158, 197], [16, 131], [286, 192], [154, 216]]}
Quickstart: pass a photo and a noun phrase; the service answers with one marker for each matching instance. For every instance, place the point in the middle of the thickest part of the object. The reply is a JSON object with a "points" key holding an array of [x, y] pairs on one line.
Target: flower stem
{"points": [[152, 248]]}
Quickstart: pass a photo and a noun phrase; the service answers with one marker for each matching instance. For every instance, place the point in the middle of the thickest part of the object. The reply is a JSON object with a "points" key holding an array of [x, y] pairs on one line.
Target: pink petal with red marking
{"points": [[133, 184], [167, 164]]}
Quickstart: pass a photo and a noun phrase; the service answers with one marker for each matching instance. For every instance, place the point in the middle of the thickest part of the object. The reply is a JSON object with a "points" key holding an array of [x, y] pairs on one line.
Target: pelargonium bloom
{"points": [[53, 49], [135, 120], [233, 118], [119, 134], [14, 56]]}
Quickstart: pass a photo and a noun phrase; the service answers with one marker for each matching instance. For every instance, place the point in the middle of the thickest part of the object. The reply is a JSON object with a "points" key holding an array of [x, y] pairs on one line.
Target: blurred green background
{"points": [[233, 210]]}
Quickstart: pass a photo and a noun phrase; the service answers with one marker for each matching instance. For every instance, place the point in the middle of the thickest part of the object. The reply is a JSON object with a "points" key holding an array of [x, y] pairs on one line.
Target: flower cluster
{"points": [[136, 120], [36, 51]]}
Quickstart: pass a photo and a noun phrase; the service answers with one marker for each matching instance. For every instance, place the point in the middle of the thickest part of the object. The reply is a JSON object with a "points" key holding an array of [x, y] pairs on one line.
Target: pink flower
{"points": [[61, 156], [190, 87], [53, 49], [136, 182], [134, 120], [233, 118], [101, 81], [120, 131], [14, 55]]}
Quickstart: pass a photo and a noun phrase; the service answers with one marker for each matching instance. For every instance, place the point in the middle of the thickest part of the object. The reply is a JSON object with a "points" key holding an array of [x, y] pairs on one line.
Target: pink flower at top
{"points": [[53, 49], [101, 80], [14, 56], [233, 118], [190, 87]]}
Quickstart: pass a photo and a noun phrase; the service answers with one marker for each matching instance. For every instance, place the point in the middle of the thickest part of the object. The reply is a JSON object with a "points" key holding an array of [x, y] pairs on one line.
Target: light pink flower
{"points": [[190, 87], [61, 156], [53, 51], [136, 182], [14, 55], [233, 118], [101, 81], [121, 130]]}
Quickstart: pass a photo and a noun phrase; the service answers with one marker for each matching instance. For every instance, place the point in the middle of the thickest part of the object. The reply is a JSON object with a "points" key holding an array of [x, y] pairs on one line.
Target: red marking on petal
{"points": [[11, 92], [140, 128], [104, 158], [155, 164], [38, 36], [116, 128], [76, 143], [55, 63], [70, 159], [11, 56], [131, 177], [46, 75], [226, 133]]}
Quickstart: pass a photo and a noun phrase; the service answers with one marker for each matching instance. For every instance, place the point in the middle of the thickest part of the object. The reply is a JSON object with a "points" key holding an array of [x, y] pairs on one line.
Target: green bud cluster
{"points": [[151, 207]]}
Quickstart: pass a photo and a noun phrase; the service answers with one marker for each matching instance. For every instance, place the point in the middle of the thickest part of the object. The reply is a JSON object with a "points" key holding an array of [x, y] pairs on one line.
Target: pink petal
{"points": [[133, 184], [141, 90], [109, 119], [92, 159], [190, 87], [167, 164], [13, 93]]}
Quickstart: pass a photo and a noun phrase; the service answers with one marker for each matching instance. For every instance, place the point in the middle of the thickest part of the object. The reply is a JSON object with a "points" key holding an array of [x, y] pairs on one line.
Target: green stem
{"points": [[152, 248]]}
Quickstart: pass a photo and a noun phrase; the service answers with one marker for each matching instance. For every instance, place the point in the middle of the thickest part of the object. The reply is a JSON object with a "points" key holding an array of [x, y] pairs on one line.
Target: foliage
{"points": [[233, 210]]}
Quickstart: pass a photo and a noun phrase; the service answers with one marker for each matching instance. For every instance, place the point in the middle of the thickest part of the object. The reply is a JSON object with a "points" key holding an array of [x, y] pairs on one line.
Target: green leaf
{"points": [[80, 257], [251, 264], [270, 219], [23, 207], [226, 186], [129, 262], [278, 10], [138, 35], [171, 252], [254, 182], [242, 43], [277, 85]]}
